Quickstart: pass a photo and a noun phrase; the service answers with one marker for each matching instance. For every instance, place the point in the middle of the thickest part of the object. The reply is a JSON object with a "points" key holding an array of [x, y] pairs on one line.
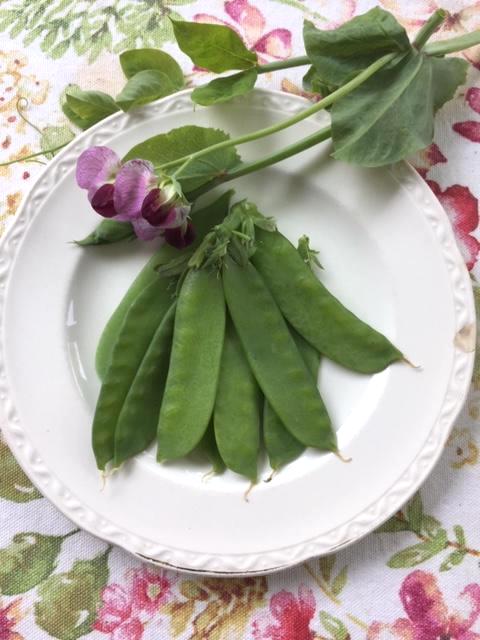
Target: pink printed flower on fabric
{"points": [[470, 129], [428, 615], [250, 23], [9, 616], [428, 158], [462, 209], [126, 609], [131, 192], [289, 617]]}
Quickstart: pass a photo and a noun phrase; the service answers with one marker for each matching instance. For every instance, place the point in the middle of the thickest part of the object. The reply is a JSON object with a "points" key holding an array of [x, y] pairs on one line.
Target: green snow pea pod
{"points": [[274, 358], [236, 417], [281, 446], [315, 313], [204, 219], [137, 423], [139, 325], [208, 446], [192, 379]]}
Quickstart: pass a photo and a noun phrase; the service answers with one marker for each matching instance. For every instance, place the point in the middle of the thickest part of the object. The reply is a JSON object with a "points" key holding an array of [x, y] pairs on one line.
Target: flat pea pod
{"points": [[138, 419], [281, 446], [194, 364], [208, 446], [236, 417], [204, 219], [274, 358], [139, 325], [315, 313]]}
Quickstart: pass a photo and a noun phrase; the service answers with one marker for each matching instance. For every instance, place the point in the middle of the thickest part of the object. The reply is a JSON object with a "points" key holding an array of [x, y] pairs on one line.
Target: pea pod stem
{"points": [[429, 28]]}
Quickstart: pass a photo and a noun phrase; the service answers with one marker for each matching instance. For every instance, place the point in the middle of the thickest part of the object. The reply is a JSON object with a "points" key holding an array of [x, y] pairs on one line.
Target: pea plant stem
{"points": [[33, 155], [284, 124], [283, 154], [278, 65], [429, 28], [443, 47]]}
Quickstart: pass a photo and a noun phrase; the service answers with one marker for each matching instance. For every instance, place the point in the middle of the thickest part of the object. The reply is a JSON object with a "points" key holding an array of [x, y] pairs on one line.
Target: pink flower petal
{"points": [[206, 18], [469, 601], [115, 609], [132, 184], [428, 158], [248, 17], [95, 166], [144, 230], [130, 630], [149, 588], [468, 129], [401, 629], [473, 98], [423, 603], [276, 43], [460, 205], [292, 617]]}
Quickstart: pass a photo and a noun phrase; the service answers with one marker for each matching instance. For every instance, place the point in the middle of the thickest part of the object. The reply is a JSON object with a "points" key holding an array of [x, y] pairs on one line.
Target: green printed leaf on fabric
{"points": [[420, 552], [214, 47], [339, 582], [334, 626], [27, 561], [135, 60], [460, 535], [326, 564], [453, 560], [14, 484], [68, 601], [224, 89], [339, 54], [183, 141], [414, 513], [393, 525]]}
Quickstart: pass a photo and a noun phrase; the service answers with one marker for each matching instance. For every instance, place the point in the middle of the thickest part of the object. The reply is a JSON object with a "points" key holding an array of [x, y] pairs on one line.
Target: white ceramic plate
{"points": [[389, 254]]}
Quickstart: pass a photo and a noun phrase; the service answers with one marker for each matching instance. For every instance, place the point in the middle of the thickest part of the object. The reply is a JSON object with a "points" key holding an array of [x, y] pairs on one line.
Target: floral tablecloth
{"points": [[418, 577]]}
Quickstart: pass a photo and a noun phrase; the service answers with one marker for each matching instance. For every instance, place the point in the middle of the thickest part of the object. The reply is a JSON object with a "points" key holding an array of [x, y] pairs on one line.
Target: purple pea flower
{"points": [[132, 192]]}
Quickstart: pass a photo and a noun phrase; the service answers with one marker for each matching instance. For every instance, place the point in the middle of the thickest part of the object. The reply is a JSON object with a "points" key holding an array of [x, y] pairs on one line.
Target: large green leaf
{"points": [[69, 601], [183, 141], [86, 108], [212, 46], [339, 54], [14, 484], [27, 561], [145, 87], [224, 89], [420, 552], [388, 117], [135, 60], [391, 115]]}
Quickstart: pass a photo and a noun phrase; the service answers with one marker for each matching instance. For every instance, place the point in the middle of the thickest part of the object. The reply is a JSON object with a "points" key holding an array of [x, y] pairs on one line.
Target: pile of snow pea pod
{"points": [[216, 349]]}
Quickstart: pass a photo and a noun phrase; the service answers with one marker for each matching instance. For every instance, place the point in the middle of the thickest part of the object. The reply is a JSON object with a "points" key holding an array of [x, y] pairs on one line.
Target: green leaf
{"points": [[388, 117], [414, 513], [430, 526], [68, 601], [14, 484], [393, 525], [27, 561], [224, 89], [145, 87], [313, 83], [419, 553], [459, 535], [60, 49], [339, 54], [334, 626], [86, 108], [136, 60], [54, 137], [326, 564], [447, 75], [108, 232], [183, 141], [212, 46], [340, 581], [452, 560]]}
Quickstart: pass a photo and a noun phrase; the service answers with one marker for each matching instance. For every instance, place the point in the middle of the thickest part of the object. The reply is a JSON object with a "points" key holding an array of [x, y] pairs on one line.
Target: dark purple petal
{"points": [[155, 208], [180, 237], [102, 201], [95, 166], [133, 182], [144, 229]]}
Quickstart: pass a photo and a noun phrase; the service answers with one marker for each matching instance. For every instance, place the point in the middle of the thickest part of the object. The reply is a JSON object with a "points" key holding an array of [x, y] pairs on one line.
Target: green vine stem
{"points": [[452, 45], [278, 65], [429, 28]]}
